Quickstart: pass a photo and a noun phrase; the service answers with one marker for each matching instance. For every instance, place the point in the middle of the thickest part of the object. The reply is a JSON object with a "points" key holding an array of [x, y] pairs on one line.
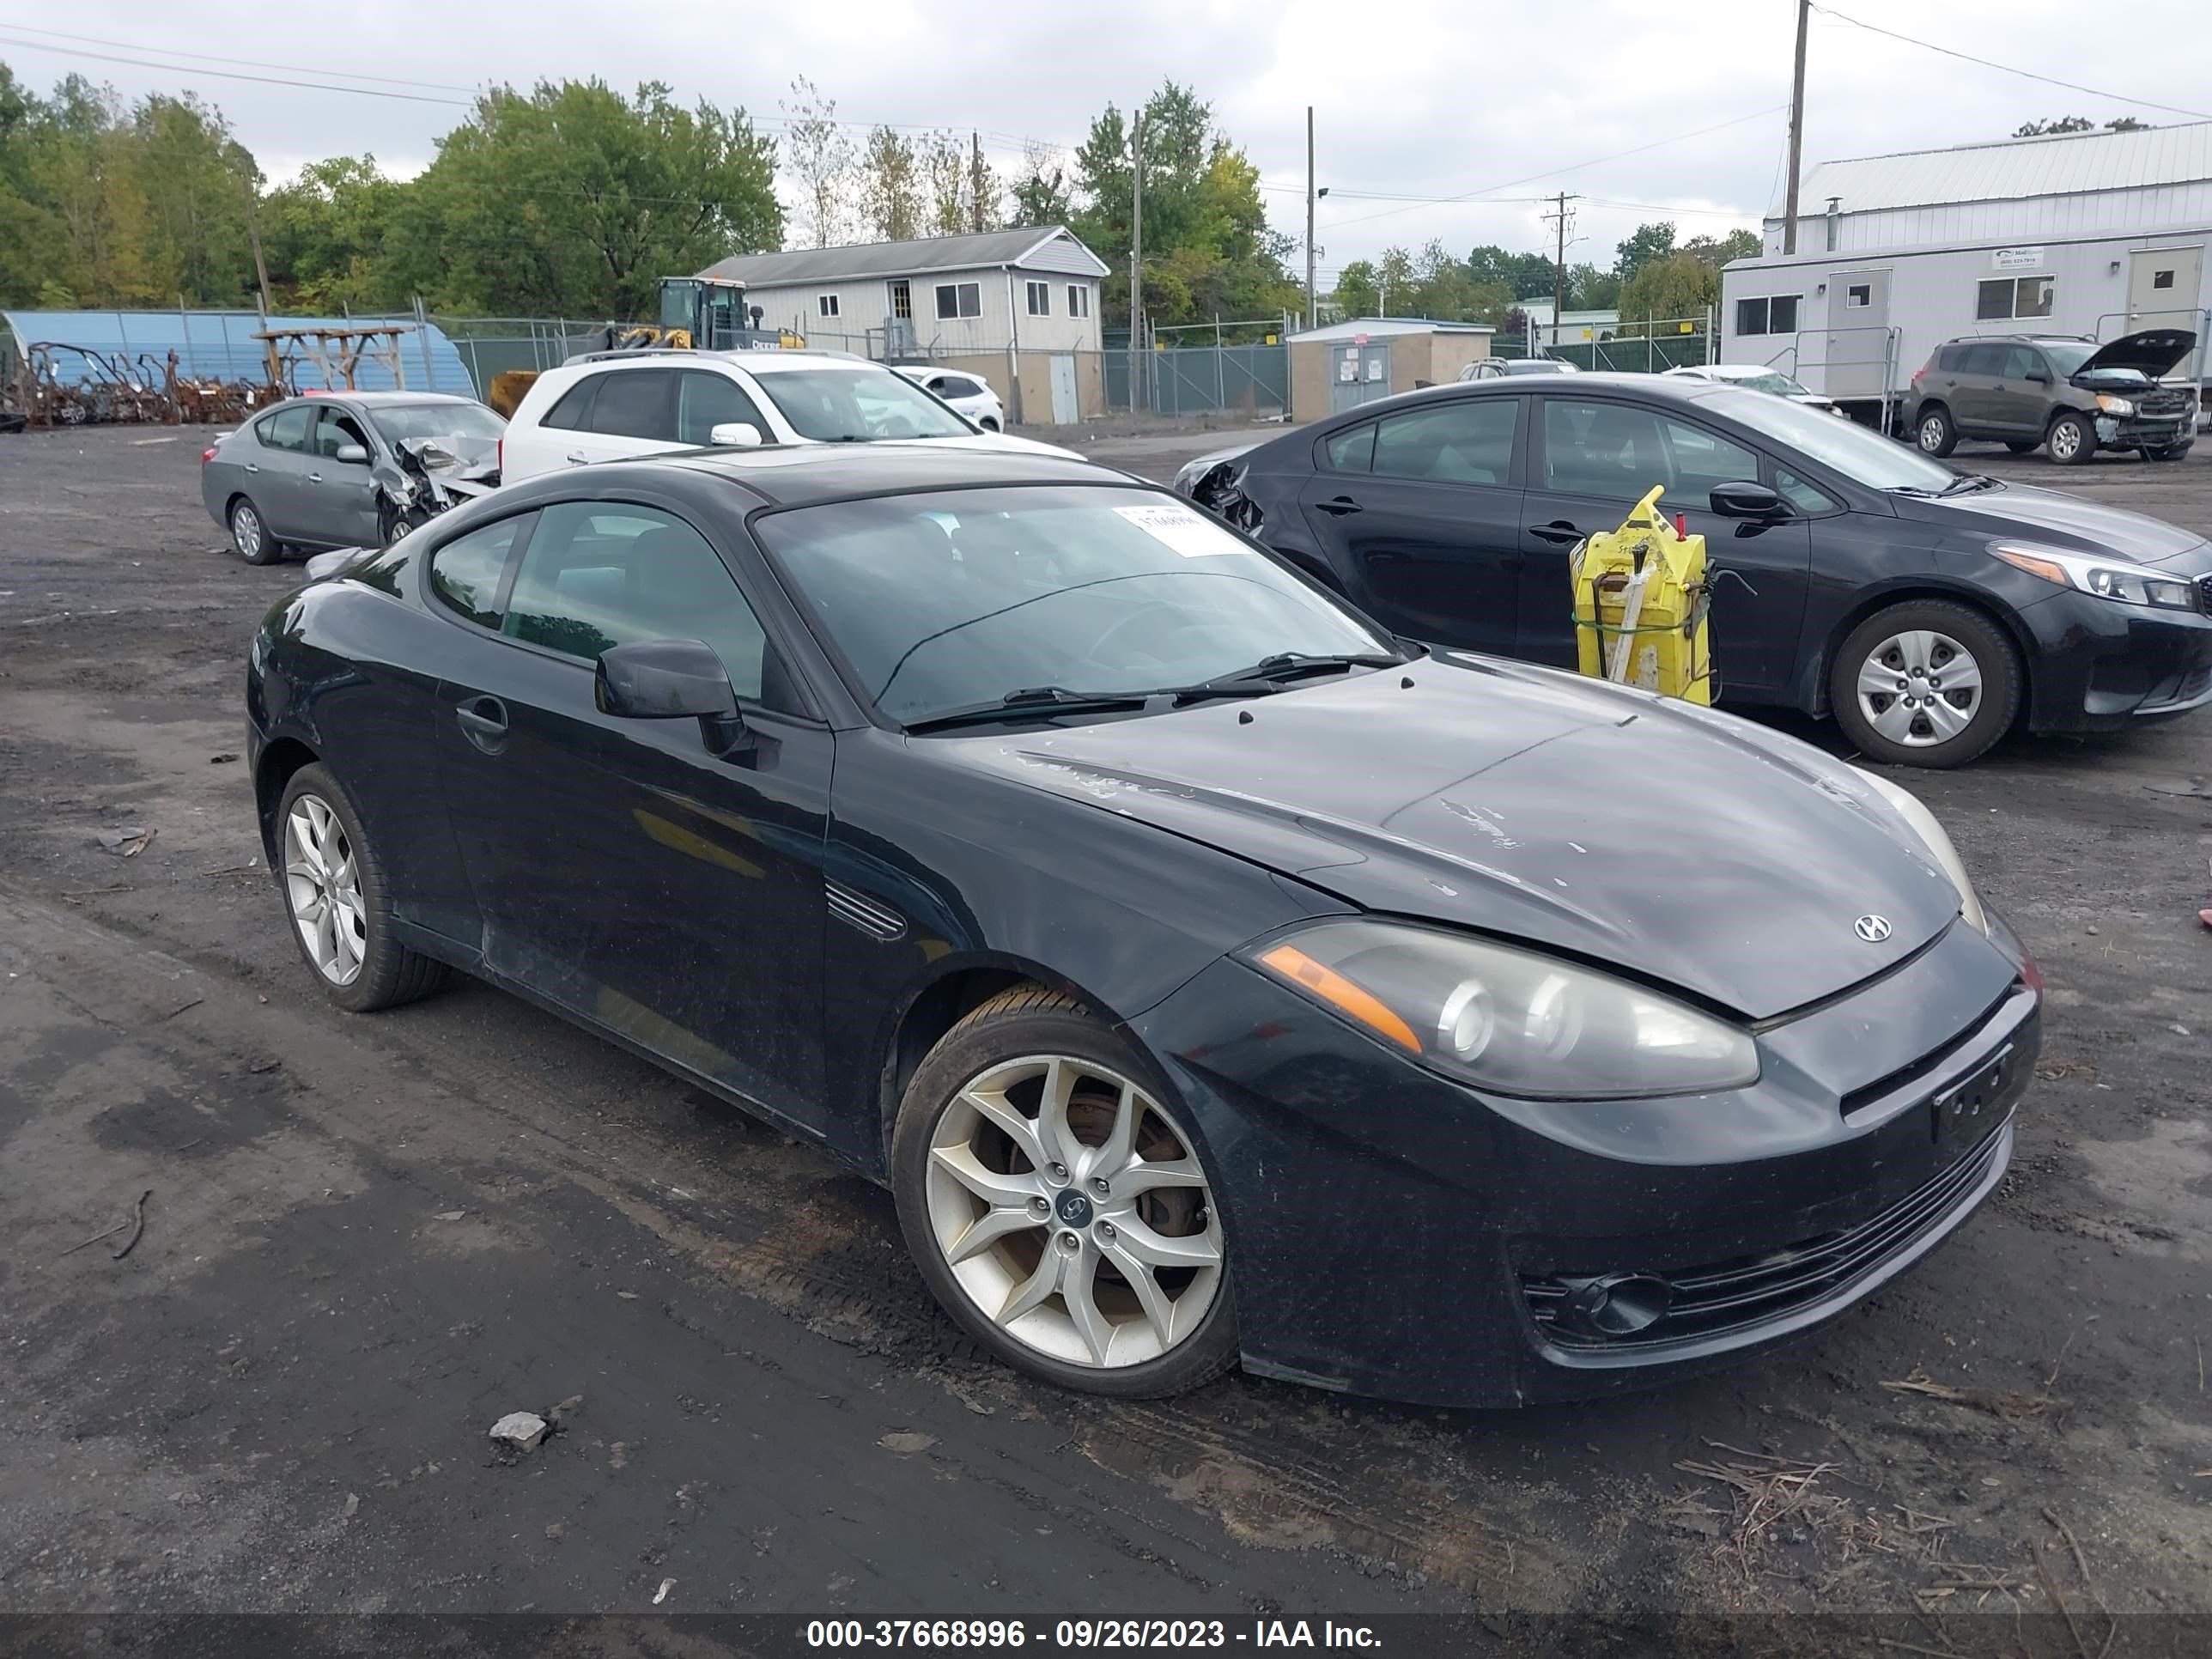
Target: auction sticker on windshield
{"points": [[1183, 530]]}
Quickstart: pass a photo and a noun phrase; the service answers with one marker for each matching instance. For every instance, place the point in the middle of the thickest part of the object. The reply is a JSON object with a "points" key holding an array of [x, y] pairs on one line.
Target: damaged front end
{"points": [[1219, 491], [427, 476]]}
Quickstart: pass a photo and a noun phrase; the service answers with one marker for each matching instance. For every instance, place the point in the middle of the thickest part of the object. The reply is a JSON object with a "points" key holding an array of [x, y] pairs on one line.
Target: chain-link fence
{"points": [[1634, 348]]}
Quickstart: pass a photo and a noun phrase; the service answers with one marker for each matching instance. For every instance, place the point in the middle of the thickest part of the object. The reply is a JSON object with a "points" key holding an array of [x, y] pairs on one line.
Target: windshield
{"points": [[1857, 452], [2067, 357], [1768, 380], [471, 423], [944, 601], [853, 406]]}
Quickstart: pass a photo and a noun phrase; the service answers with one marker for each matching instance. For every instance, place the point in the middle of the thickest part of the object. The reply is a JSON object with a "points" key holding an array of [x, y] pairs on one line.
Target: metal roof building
{"points": [[219, 345], [2013, 190], [1049, 247]]}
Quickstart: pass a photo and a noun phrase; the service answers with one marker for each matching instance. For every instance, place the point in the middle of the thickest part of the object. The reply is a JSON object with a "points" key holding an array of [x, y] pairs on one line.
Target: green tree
{"points": [[1644, 244], [1589, 289], [1042, 195], [326, 237], [2075, 124], [1677, 286], [891, 186], [574, 201], [821, 156], [1718, 251], [1358, 293], [1528, 275]]}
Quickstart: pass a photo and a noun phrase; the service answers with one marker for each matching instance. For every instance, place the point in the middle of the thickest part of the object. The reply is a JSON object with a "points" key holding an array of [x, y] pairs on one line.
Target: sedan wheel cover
{"points": [[1074, 1213], [323, 885], [246, 526], [1920, 689]]}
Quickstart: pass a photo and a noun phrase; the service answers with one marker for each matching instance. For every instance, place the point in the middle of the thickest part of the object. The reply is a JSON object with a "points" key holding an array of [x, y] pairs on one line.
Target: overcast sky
{"points": [[1411, 98]]}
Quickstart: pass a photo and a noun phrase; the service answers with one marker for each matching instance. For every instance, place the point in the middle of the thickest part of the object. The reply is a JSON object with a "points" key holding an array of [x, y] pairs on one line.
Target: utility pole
{"points": [[253, 229], [1560, 265], [975, 183], [1313, 312], [1797, 129], [1136, 256]]}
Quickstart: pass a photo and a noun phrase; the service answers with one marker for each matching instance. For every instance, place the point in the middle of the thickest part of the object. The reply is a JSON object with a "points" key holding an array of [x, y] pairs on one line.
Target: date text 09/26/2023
{"points": [[1087, 1634]]}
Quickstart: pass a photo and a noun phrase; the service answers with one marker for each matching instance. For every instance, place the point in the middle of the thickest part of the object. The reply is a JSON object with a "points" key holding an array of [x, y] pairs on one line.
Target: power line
{"points": [[249, 62], [1573, 167], [2006, 69], [236, 75]]}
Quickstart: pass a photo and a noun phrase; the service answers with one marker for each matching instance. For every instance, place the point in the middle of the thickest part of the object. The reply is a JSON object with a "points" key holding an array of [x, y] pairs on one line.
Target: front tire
{"points": [[1058, 1209], [1936, 432], [249, 533], [340, 905], [2073, 440], [1926, 682]]}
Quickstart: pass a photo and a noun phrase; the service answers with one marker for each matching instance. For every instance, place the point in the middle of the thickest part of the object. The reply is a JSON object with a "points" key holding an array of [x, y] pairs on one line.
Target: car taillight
{"points": [[209, 453], [1918, 375]]}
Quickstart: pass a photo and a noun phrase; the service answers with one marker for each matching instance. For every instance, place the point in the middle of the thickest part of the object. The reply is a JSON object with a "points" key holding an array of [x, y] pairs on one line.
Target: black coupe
{"points": [[1209, 974]]}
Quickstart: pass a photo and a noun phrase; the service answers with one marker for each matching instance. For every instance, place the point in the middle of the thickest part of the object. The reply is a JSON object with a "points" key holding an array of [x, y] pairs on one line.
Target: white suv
{"points": [[607, 408]]}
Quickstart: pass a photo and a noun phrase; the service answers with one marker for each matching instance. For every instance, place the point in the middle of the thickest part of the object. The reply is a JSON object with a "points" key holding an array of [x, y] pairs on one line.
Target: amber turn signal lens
{"points": [[1333, 988]]}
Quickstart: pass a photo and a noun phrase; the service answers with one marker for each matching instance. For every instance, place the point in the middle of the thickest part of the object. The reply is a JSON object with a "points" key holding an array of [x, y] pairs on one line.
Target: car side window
{"points": [[334, 429], [1799, 493], [1468, 442], [598, 574], [1352, 451], [634, 403], [1612, 451], [2021, 362], [1984, 359], [1702, 459], [705, 401], [572, 412], [285, 428], [465, 572]]}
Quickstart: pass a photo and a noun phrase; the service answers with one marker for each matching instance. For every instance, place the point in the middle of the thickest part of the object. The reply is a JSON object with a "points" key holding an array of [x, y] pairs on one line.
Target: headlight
{"points": [[2108, 578], [1509, 1020], [1923, 824], [2113, 405]]}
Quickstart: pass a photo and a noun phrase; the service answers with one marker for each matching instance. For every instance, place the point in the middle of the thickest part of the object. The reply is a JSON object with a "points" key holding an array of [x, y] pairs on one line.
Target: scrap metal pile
{"points": [[60, 384]]}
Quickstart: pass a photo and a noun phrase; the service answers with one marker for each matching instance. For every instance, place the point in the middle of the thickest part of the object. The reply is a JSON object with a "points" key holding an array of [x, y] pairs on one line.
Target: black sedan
{"points": [[1928, 610], [1209, 974]]}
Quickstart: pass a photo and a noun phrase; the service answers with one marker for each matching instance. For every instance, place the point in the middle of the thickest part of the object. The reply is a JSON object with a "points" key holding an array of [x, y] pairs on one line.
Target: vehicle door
{"points": [[1420, 515], [277, 476], [1594, 459], [2021, 393], [1974, 399], [626, 871], [705, 400], [632, 411], [338, 498]]}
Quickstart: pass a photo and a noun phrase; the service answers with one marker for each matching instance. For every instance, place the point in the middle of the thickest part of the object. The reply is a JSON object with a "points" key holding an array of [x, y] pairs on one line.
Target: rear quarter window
{"points": [[573, 408]]}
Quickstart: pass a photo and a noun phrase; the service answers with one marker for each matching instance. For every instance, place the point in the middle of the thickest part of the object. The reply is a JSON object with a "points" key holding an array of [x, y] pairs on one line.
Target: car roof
{"points": [[376, 399], [805, 475], [1660, 386]]}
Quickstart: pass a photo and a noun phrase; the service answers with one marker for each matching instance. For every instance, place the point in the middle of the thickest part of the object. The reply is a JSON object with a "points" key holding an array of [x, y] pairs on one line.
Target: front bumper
{"points": [[2097, 665], [1394, 1234], [2144, 432]]}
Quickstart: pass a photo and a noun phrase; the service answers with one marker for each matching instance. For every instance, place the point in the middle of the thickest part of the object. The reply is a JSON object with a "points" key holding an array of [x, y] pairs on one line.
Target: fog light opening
{"points": [[1616, 1304]]}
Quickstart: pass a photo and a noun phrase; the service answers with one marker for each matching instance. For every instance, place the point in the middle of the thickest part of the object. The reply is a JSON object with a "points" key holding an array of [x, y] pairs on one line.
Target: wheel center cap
{"points": [[1073, 1208]]}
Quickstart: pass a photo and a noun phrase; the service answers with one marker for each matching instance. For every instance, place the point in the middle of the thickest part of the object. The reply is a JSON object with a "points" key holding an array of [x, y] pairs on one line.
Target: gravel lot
{"points": [[367, 1238]]}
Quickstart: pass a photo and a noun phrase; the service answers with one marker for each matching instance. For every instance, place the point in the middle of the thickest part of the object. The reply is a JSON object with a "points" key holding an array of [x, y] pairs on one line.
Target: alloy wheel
{"points": [[1920, 688], [322, 883], [246, 527], [1071, 1211], [1931, 435], [2065, 441]]}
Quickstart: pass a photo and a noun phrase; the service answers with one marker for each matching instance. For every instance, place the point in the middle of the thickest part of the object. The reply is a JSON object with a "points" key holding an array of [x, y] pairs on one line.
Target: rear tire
{"points": [[2073, 440], [333, 888], [1905, 651], [249, 533], [1004, 1210], [1935, 432]]}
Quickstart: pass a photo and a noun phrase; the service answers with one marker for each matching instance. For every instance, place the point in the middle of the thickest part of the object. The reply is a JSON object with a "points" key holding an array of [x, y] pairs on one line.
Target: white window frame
{"points": [[1039, 297], [961, 292], [2049, 298], [1078, 299], [825, 305]]}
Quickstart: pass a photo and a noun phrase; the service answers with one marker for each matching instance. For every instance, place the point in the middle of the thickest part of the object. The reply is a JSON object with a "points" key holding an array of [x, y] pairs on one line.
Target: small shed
{"points": [[219, 345], [1345, 364]]}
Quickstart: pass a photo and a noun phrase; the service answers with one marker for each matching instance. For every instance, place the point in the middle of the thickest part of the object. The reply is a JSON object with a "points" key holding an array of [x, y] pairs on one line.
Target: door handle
{"points": [[1339, 507], [252, 466], [1559, 533], [314, 477], [485, 721], [575, 457]]}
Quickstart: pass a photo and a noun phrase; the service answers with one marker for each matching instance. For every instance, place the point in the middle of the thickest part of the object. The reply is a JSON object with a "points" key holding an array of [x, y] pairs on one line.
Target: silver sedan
{"points": [[350, 469]]}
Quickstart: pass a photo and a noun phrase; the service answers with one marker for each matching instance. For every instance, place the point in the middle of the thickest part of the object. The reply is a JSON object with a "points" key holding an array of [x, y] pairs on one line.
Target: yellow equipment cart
{"points": [[1640, 602]]}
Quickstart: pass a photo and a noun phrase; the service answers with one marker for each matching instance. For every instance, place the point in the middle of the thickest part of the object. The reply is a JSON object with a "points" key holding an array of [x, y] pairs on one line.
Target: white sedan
{"points": [[1757, 377], [967, 394]]}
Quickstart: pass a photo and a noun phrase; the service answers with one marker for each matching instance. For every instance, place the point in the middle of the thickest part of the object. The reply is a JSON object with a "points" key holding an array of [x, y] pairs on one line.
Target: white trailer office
{"points": [[2095, 234]]}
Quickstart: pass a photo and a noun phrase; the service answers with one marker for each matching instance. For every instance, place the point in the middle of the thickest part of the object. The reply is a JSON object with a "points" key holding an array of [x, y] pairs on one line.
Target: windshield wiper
{"points": [[1272, 671], [1035, 703], [1968, 482]]}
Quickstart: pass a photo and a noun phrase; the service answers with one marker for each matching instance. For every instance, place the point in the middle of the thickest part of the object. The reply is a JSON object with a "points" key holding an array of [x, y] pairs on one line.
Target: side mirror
{"points": [[2040, 376], [735, 434], [672, 679], [350, 455], [1747, 501]]}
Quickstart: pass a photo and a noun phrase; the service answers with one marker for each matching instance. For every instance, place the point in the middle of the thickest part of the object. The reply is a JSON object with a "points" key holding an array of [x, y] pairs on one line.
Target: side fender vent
{"points": [[876, 921]]}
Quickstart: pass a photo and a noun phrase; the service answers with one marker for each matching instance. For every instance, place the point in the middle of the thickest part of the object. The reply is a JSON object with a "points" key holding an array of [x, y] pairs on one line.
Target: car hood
{"points": [[2153, 351], [1190, 472], [999, 440], [1688, 847], [2027, 513]]}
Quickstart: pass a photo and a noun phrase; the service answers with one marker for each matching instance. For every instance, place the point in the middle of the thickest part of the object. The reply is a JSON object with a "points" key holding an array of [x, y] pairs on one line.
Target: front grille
{"points": [[1734, 1296], [2204, 592]]}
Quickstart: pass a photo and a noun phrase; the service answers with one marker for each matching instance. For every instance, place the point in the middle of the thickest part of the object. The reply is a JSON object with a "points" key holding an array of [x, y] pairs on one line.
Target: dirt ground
{"points": [[366, 1239]]}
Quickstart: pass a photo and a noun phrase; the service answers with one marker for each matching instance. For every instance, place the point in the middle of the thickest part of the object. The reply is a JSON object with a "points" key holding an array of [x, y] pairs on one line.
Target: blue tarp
{"points": [[219, 345]]}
